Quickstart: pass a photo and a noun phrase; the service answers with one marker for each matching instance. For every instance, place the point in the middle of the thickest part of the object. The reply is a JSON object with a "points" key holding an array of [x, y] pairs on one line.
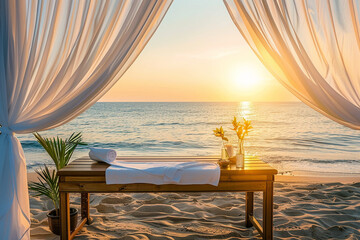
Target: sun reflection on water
{"points": [[245, 109]]}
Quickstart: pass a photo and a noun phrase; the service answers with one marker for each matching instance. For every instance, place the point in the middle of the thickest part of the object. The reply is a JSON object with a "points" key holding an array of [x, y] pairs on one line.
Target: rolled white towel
{"points": [[102, 155]]}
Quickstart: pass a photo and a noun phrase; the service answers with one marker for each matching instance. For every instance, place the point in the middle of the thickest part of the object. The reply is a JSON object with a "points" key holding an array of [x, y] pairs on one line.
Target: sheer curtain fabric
{"points": [[57, 58], [311, 47]]}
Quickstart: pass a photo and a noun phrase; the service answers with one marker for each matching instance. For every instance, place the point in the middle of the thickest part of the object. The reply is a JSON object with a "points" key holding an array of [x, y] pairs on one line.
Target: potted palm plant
{"points": [[60, 150]]}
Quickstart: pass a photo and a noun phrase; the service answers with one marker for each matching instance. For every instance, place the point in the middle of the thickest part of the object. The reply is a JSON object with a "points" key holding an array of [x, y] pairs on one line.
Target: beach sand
{"points": [[304, 208]]}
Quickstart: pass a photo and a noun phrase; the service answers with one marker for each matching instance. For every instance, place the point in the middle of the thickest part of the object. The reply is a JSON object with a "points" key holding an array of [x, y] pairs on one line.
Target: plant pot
{"points": [[240, 160], [54, 220]]}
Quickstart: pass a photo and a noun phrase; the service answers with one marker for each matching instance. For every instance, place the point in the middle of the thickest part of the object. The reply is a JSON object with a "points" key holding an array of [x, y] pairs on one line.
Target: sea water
{"points": [[292, 137]]}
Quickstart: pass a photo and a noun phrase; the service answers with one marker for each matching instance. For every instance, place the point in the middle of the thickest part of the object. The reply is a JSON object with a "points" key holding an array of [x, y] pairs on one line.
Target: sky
{"points": [[197, 55]]}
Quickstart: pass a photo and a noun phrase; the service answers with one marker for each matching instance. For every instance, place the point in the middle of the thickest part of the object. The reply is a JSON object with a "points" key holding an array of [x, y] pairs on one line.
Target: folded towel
{"points": [[102, 155], [182, 173]]}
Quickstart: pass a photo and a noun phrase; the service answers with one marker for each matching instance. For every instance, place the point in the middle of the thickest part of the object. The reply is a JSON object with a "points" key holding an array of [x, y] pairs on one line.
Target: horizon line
{"points": [[199, 101]]}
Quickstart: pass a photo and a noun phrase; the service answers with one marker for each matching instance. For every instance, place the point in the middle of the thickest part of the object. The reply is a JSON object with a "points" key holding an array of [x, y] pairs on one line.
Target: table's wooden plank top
{"points": [[86, 167]]}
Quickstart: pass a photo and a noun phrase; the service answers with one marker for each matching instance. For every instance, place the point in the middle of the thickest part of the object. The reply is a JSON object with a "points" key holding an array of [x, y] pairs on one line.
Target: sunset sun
{"points": [[247, 77]]}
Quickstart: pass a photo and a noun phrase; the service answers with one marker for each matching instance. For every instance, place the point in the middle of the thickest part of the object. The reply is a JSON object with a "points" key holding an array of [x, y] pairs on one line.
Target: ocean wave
{"points": [[216, 123], [34, 165], [147, 144], [317, 161], [184, 123], [322, 144], [341, 141], [33, 144], [163, 124], [304, 140]]}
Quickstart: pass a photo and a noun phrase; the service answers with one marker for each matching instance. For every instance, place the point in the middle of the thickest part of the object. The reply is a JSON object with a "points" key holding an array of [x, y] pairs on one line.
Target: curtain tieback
{"points": [[6, 131]]}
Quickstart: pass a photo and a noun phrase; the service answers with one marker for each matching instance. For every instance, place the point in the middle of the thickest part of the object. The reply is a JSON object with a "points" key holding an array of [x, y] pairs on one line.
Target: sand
{"points": [[304, 208]]}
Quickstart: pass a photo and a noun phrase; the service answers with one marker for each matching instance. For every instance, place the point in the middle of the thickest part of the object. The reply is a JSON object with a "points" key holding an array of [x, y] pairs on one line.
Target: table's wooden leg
{"points": [[85, 207], [249, 210], [64, 216], [268, 211]]}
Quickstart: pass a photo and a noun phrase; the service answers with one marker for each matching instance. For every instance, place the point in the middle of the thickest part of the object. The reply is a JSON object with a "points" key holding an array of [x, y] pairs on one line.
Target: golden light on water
{"points": [[245, 109]]}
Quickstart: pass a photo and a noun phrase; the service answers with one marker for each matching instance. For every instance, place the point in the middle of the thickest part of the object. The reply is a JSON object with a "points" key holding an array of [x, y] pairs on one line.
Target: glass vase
{"points": [[240, 156], [224, 154]]}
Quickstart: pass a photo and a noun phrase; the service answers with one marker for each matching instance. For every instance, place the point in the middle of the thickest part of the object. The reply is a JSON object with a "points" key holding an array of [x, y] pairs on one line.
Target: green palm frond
{"points": [[60, 150], [47, 185], [72, 142]]}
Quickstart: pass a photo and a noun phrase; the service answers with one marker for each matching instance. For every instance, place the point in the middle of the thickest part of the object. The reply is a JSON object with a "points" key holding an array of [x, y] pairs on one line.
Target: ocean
{"points": [[290, 136]]}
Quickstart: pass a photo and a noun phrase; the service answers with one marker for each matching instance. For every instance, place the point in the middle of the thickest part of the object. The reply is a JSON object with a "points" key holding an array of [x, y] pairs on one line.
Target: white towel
{"points": [[102, 155], [182, 173]]}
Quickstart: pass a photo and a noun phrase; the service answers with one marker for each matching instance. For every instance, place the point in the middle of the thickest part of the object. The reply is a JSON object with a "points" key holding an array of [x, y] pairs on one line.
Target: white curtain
{"points": [[311, 46], [57, 58]]}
